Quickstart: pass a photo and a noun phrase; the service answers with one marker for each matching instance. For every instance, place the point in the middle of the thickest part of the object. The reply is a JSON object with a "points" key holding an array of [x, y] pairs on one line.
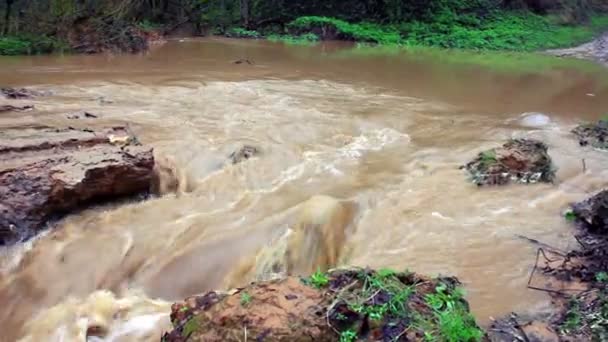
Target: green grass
{"points": [[30, 45]]}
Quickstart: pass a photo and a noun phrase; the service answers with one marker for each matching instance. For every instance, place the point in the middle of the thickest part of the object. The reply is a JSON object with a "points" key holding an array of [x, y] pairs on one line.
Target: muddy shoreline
{"points": [[595, 50]]}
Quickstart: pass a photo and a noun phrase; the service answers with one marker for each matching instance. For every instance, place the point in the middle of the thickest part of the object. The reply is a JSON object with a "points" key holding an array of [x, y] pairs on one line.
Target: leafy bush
{"points": [[239, 32], [365, 32], [30, 45]]}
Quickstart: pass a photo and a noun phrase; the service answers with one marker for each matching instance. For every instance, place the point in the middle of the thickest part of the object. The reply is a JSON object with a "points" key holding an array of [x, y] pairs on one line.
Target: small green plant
{"points": [[348, 336], [602, 277], [570, 216], [487, 158], [319, 279], [245, 298], [454, 322], [573, 317]]}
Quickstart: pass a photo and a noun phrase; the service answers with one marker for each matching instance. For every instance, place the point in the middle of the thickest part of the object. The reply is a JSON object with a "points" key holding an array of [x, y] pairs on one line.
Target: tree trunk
{"points": [[244, 4], [7, 16]]}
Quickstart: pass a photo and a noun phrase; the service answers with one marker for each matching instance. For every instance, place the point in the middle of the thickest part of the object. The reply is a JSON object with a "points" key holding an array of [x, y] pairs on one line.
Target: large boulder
{"points": [[341, 305], [46, 172], [518, 160]]}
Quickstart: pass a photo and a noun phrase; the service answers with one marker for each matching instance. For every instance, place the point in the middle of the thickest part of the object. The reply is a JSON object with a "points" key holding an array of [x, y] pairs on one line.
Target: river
{"points": [[384, 129]]}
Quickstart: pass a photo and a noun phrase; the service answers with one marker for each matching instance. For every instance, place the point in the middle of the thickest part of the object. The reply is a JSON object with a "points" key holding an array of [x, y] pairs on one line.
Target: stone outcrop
{"points": [[595, 134], [46, 172], [592, 213], [341, 305], [518, 160]]}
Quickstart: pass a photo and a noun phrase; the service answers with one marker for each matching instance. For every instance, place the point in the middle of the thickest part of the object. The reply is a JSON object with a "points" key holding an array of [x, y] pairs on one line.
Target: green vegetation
{"points": [[245, 299], [395, 303], [239, 32], [27, 45], [513, 25], [455, 323], [601, 277], [318, 279], [570, 216], [348, 336], [513, 31]]}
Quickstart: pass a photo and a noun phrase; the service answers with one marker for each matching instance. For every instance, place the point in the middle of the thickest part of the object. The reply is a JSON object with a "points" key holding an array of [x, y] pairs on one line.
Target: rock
{"points": [[595, 135], [46, 172], [592, 213], [243, 153], [518, 160], [243, 60], [341, 305], [18, 93], [10, 108], [534, 120], [81, 115]]}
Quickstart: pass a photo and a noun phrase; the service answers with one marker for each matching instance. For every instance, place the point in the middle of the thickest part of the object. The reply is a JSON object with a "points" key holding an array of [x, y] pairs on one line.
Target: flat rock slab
{"points": [[47, 172]]}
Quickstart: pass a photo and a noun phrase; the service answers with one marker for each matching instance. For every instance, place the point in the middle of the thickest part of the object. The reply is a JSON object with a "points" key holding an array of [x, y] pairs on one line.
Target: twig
{"points": [[536, 242], [584, 165]]}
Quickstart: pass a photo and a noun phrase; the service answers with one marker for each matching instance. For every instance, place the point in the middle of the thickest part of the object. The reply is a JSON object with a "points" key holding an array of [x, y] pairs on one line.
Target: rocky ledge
{"points": [[46, 172], [518, 160], [340, 305]]}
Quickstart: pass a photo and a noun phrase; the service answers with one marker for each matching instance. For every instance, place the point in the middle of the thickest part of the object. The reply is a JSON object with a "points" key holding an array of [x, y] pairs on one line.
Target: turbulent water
{"points": [[384, 131]]}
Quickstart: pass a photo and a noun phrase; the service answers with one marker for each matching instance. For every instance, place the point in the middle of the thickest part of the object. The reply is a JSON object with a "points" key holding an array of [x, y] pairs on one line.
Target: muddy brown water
{"points": [[385, 130]]}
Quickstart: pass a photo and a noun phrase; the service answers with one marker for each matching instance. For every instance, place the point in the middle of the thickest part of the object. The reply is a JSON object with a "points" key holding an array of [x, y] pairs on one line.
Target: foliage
{"points": [[305, 39], [365, 32], [348, 336], [455, 323], [30, 45], [318, 279], [148, 26], [245, 298], [602, 277], [570, 216], [239, 32]]}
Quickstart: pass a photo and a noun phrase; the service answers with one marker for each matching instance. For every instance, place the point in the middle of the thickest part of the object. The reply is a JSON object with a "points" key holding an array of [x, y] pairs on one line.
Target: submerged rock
{"points": [[592, 213], [18, 93], [341, 305], [11, 108], [243, 153], [595, 135], [46, 172], [533, 119], [518, 160]]}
